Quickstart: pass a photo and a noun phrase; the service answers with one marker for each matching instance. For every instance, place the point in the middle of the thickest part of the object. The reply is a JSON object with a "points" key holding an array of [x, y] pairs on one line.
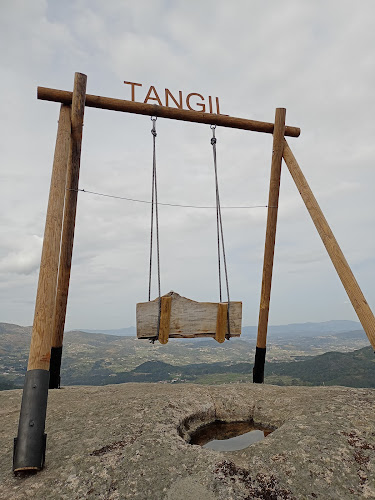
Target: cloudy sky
{"points": [[314, 58]]}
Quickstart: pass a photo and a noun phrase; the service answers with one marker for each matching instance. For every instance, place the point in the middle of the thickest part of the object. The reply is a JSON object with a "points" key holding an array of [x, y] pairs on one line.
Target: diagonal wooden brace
{"points": [[342, 267]]}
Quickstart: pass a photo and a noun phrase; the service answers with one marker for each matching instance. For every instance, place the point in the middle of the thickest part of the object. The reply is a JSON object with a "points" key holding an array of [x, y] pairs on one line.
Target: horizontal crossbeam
{"points": [[95, 101]]}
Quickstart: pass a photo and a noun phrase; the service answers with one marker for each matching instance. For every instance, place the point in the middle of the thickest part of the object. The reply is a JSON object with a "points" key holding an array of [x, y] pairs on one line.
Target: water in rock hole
{"points": [[229, 436]]}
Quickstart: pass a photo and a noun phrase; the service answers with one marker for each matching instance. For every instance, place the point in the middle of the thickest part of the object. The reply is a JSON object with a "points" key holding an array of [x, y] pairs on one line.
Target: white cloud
{"points": [[26, 260], [314, 58]]}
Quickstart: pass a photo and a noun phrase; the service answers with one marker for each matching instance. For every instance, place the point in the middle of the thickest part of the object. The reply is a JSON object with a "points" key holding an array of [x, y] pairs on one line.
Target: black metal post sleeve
{"points": [[30, 444], [55, 367], [258, 369]]}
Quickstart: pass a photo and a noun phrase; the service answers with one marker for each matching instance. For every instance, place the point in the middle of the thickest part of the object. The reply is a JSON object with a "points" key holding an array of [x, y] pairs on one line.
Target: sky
{"points": [[313, 58]]}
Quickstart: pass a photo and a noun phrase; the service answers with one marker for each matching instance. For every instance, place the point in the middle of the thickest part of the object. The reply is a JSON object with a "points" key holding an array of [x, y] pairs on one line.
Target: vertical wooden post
{"points": [[78, 109], [273, 201], [30, 444], [346, 276]]}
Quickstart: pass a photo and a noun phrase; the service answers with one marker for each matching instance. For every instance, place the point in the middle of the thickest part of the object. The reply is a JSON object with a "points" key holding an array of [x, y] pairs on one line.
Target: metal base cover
{"points": [[258, 370], [55, 367], [30, 444]]}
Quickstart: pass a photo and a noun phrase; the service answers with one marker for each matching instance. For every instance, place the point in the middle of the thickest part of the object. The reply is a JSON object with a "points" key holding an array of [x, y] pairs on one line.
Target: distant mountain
{"points": [[14, 330], [306, 329], [130, 331]]}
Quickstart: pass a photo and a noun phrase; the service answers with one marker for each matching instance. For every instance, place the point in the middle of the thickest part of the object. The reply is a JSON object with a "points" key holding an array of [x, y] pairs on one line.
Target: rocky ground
{"points": [[129, 441]]}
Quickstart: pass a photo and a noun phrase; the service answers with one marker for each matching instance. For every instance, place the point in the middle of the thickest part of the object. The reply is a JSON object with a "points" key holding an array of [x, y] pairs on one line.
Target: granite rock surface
{"points": [[129, 441]]}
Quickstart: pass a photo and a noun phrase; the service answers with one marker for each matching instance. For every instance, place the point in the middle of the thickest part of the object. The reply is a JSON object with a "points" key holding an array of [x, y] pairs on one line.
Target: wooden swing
{"points": [[174, 316], [184, 318]]}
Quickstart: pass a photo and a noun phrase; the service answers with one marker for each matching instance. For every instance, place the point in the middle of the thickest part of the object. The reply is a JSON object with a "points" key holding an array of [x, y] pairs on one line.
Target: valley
{"points": [[305, 354]]}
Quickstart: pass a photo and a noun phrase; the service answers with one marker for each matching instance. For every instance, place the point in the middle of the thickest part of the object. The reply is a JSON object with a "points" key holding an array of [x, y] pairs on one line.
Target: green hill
{"points": [[6, 384], [351, 369]]}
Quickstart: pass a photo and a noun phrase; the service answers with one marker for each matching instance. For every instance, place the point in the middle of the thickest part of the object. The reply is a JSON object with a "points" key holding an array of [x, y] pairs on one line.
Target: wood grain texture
{"points": [[221, 322], [72, 183], [346, 276], [189, 318], [40, 348], [165, 319], [95, 101], [269, 247]]}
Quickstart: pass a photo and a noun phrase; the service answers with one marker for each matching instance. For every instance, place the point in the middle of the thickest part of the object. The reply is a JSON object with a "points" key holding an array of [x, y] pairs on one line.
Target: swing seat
{"points": [[184, 318]]}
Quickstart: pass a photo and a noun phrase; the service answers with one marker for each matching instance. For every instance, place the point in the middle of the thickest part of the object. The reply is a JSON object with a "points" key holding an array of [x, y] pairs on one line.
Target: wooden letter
{"points": [[217, 106], [203, 106], [168, 94], [156, 98], [346, 276], [133, 85], [165, 319]]}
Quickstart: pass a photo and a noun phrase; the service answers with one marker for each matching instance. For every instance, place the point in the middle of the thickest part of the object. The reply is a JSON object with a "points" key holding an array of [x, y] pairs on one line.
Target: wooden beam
{"points": [[346, 276], [40, 347], [269, 247], [221, 322], [110, 103], [165, 319], [72, 182]]}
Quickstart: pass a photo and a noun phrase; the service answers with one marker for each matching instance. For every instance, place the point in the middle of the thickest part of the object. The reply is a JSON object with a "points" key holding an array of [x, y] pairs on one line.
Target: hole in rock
{"points": [[229, 436]]}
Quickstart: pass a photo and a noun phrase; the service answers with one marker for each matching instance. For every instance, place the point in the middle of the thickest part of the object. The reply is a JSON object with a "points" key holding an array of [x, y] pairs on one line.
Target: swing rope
{"points": [[154, 201], [219, 228]]}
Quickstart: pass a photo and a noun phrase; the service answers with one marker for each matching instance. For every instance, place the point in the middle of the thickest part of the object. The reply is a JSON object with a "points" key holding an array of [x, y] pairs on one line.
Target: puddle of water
{"points": [[228, 436]]}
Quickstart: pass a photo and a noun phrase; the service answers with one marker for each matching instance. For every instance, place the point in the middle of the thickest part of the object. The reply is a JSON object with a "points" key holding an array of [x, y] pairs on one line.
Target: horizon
{"points": [[99, 330]]}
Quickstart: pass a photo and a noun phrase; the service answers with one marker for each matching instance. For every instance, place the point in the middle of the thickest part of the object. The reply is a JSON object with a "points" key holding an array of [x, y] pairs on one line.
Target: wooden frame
{"points": [[52, 293], [95, 101]]}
